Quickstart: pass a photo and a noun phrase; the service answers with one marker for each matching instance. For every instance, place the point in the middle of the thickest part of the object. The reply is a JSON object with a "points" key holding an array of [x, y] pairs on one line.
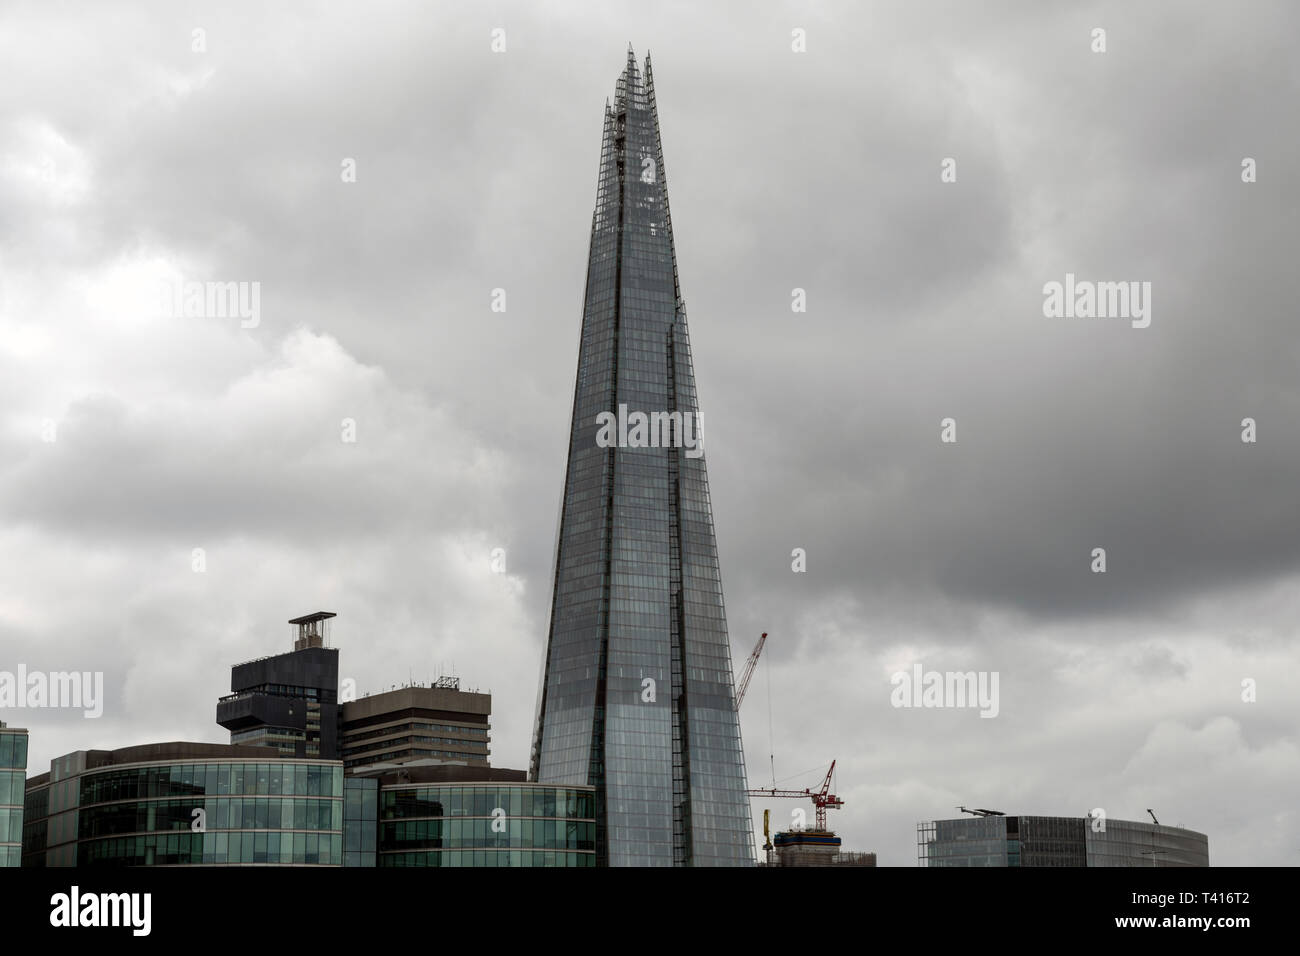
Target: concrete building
{"points": [[417, 725], [815, 848]]}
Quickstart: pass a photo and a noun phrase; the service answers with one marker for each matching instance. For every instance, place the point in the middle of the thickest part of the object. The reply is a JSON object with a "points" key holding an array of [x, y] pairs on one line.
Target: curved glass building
{"points": [[191, 804], [996, 839], [486, 824], [185, 804]]}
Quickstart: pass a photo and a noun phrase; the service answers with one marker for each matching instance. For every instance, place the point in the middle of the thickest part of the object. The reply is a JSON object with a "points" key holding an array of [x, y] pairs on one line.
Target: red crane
{"points": [[748, 672], [822, 798]]}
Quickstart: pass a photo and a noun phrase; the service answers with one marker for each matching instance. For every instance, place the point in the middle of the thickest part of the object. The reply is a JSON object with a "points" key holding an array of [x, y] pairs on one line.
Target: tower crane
{"points": [[748, 672], [822, 797]]}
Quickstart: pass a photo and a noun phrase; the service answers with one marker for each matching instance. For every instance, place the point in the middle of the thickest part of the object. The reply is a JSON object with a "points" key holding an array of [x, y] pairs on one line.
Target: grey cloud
{"points": [[819, 171]]}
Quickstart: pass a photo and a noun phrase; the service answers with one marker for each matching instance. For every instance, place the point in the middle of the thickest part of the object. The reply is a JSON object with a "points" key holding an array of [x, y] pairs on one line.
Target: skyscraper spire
{"points": [[637, 697]]}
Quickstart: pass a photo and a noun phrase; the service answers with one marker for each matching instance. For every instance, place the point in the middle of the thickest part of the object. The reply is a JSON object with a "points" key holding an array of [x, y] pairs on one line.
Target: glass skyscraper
{"points": [[637, 698]]}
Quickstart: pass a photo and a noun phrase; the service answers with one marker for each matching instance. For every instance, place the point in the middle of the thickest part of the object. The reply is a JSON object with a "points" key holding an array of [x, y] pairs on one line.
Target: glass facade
{"points": [[1128, 843], [360, 814], [1057, 841], [36, 811], [974, 841], [637, 695], [1049, 841], [486, 825], [266, 812], [13, 781]]}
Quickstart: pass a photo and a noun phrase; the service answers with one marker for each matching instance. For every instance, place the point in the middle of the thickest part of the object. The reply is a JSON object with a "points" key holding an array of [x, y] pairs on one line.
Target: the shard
{"points": [[637, 696]]}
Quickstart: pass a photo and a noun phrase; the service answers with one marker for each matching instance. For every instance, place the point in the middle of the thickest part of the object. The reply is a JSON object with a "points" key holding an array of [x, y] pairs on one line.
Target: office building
{"points": [[1136, 843], [289, 701], [453, 816], [995, 839], [196, 804], [417, 725], [637, 697], [185, 804], [13, 776]]}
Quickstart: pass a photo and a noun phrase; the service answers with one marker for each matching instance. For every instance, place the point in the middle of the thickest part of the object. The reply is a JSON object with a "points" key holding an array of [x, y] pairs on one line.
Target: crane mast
{"points": [[748, 672]]}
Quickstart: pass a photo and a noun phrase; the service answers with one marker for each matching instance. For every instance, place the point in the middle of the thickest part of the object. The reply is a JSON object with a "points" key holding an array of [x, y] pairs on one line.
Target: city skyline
{"points": [[131, 160]]}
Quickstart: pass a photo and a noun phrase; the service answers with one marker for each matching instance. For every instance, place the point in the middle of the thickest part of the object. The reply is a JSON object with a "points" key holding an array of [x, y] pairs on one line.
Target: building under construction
{"points": [[813, 846]]}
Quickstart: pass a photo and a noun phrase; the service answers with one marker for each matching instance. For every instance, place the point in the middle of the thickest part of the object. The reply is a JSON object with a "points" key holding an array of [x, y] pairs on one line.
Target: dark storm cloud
{"points": [[123, 148]]}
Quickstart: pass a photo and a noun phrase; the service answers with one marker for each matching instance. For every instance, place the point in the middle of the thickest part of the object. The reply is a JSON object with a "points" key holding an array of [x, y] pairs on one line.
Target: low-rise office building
{"points": [[400, 778], [197, 804], [417, 725], [449, 816], [185, 804], [996, 839], [290, 702]]}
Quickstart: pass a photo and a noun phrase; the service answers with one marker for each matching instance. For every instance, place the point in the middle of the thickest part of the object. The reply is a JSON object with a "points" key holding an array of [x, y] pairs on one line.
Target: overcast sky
{"points": [[127, 157]]}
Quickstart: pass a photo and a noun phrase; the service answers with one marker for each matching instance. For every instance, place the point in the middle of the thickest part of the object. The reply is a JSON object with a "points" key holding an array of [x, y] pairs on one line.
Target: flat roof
{"points": [[309, 618], [453, 774], [176, 751]]}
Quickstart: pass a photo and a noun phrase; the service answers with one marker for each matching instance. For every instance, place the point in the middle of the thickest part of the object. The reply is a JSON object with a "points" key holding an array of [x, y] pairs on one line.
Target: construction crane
{"points": [[748, 672], [822, 798], [980, 812]]}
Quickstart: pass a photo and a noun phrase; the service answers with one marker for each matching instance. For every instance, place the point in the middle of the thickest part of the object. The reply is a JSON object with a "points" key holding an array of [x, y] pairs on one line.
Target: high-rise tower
{"points": [[637, 697]]}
